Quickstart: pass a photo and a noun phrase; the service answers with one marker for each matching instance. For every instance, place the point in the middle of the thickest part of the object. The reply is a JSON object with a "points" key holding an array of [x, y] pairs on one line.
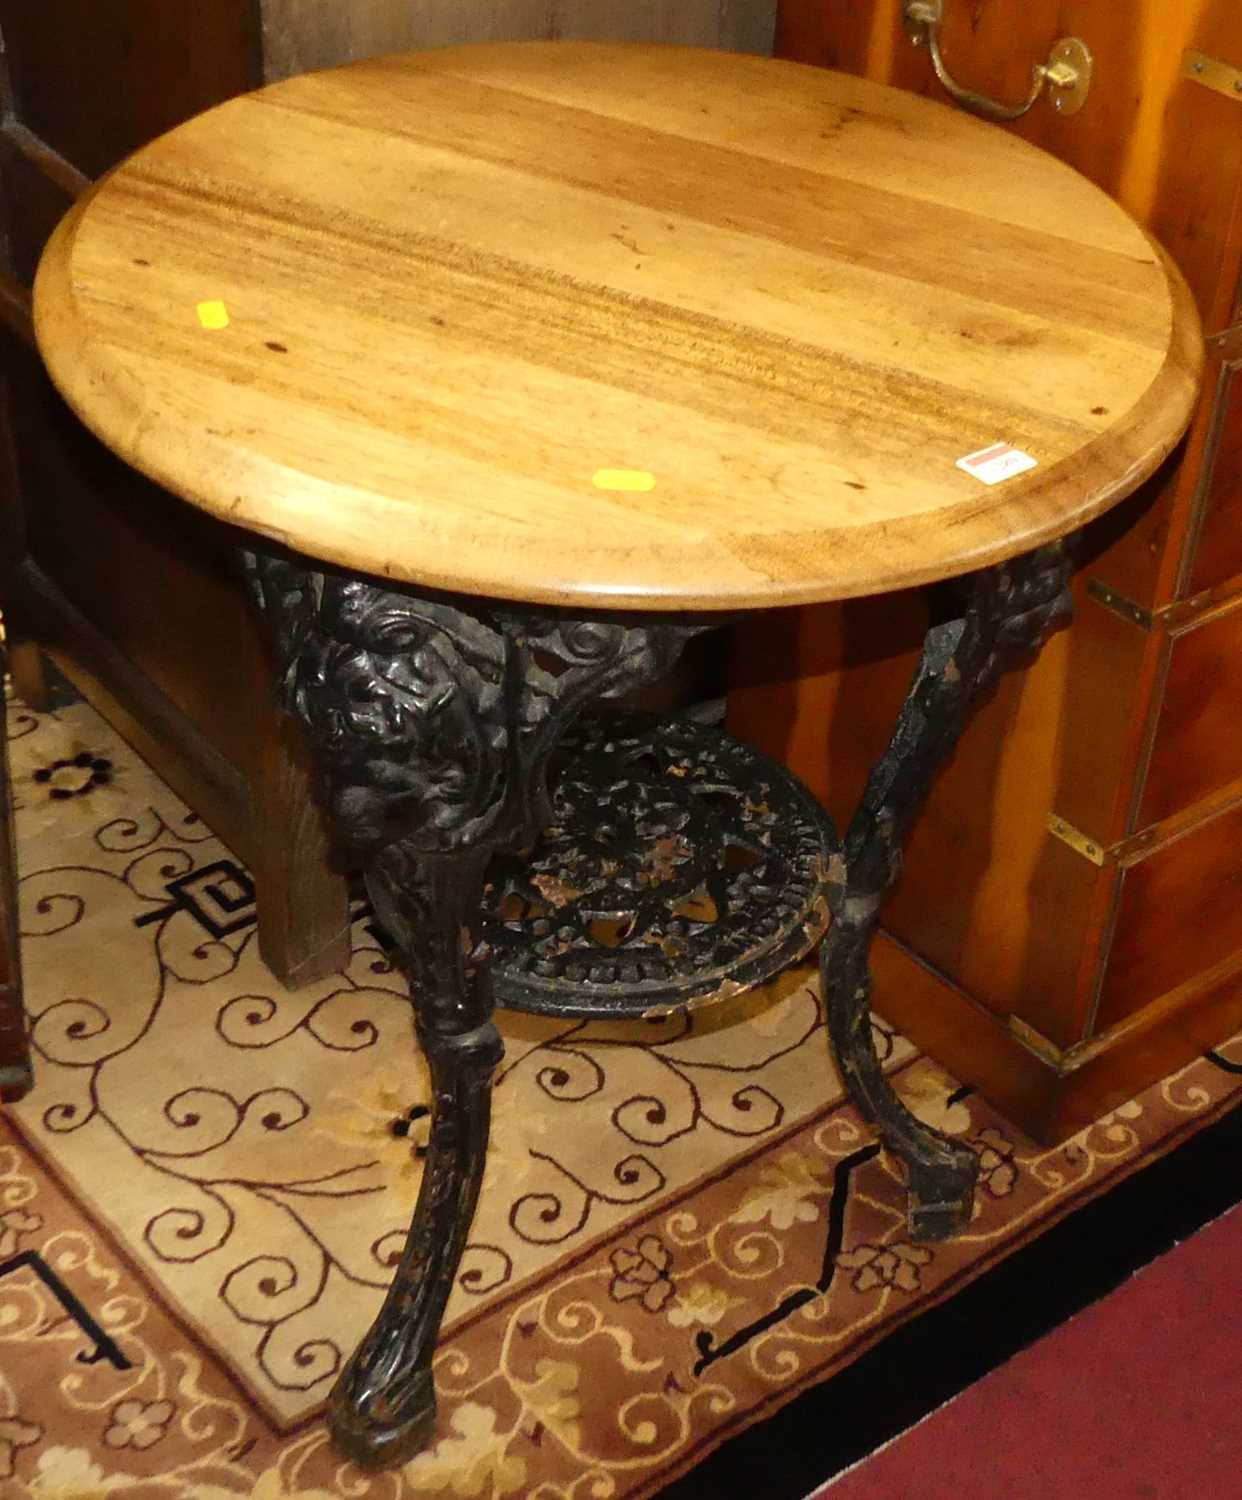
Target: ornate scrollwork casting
{"points": [[433, 721], [681, 866]]}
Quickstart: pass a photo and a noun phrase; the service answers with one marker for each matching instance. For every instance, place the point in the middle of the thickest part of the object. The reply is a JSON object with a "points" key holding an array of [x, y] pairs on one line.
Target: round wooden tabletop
{"points": [[642, 327]]}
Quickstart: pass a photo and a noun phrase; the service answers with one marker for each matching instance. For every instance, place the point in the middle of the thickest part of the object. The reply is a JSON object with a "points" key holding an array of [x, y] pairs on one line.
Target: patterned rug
{"points": [[682, 1226]]}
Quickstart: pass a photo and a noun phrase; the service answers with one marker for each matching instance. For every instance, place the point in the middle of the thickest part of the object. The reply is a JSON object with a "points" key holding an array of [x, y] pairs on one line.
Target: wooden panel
{"points": [[34, 204], [1180, 913], [155, 577], [1217, 555], [15, 1074], [304, 911], [12, 530], [1198, 747], [15, 318], [139, 712], [746, 25], [302, 34], [831, 36], [97, 78]]}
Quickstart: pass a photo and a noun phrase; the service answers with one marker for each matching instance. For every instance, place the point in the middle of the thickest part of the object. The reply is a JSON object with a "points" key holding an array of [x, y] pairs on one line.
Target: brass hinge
{"points": [[1212, 73], [1078, 842], [1119, 604]]}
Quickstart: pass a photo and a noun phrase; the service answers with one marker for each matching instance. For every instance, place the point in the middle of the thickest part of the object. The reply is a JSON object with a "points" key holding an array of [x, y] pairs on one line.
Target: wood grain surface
{"points": [[462, 283]]}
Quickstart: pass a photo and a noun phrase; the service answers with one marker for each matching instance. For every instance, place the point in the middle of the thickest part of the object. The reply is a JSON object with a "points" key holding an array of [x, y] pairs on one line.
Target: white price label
{"points": [[1000, 461]]}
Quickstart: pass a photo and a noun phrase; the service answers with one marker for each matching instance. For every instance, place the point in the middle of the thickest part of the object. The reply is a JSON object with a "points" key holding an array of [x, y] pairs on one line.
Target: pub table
{"points": [[520, 364]]}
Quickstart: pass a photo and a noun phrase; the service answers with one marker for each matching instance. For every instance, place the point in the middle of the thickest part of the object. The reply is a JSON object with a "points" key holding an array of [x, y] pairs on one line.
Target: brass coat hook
{"points": [[1066, 74]]}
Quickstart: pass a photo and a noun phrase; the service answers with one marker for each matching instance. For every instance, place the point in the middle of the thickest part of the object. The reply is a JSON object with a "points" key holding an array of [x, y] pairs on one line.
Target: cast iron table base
{"points": [[680, 867], [433, 721]]}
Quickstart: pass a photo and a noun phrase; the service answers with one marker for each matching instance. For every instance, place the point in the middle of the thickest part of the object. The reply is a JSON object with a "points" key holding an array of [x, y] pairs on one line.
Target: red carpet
{"points": [[1138, 1398]]}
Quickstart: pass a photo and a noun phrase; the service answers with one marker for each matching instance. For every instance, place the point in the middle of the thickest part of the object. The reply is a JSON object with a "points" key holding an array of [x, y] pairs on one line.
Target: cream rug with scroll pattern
{"points": [[681, 1226]]}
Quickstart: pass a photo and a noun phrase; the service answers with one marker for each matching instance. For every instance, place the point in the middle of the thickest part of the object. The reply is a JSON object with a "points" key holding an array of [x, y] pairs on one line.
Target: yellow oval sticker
{"points": [[637, 480]]}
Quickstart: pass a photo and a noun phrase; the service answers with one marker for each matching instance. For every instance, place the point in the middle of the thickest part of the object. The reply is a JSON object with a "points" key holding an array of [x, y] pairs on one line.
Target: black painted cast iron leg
{"points": [[384, 1406], [1004, 614], [432, 720]]}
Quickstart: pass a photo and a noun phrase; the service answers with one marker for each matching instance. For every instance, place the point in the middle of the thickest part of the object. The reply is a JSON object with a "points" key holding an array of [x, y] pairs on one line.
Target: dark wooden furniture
{"points": [[140, 606], [561, 351], [1090, 940], [15, 1073]]}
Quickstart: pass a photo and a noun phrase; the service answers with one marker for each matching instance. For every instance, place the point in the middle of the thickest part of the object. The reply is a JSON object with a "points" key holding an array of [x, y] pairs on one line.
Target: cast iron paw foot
{"points": [[381, 1430], [942, 1196]]}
